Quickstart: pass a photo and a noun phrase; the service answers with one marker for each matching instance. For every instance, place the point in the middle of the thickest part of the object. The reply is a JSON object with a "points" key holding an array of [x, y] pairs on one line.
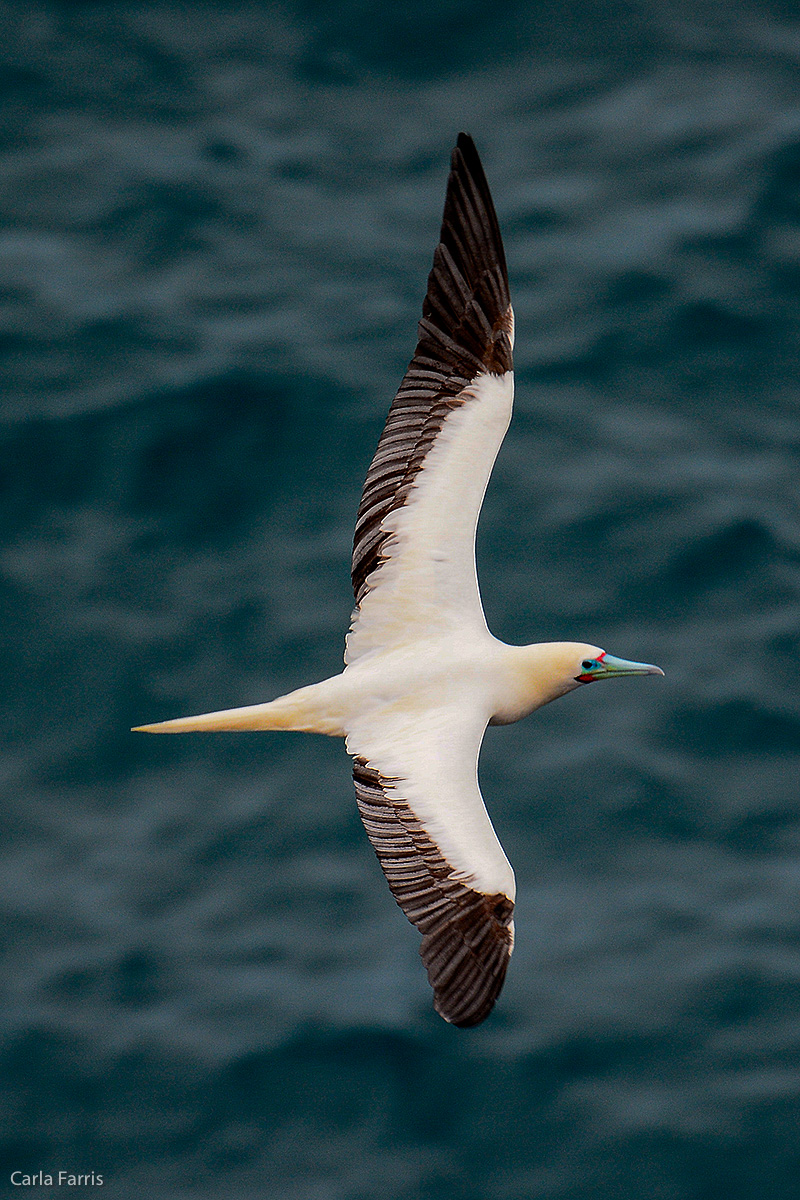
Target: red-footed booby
{"points": [[423, 675]]}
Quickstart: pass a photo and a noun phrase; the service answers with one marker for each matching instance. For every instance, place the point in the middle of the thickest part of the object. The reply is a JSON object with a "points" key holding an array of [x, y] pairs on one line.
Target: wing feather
{"points": [[467, 935], [466, 331]]}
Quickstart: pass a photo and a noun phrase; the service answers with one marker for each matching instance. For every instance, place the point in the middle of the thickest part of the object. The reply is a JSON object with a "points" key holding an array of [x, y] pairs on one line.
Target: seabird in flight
{"points": [[423, 675]]}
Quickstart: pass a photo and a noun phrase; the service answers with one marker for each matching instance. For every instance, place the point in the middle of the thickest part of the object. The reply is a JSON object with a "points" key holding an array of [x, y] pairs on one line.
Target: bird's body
{"points": [[423, 675]]}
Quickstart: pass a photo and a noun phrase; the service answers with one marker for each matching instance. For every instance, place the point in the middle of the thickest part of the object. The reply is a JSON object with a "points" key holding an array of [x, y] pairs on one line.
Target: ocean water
{"points": [[218, 221]]}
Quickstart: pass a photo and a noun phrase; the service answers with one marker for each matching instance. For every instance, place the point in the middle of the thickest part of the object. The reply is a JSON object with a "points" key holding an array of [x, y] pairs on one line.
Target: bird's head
{"points": [[551, 669]]}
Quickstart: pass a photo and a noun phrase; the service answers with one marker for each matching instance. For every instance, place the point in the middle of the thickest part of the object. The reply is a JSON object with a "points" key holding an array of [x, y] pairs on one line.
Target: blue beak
{"points": [[610, 667]]}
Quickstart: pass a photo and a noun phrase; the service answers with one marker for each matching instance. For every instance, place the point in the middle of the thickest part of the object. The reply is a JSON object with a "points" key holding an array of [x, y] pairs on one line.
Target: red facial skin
{"points": [[590, 678]]}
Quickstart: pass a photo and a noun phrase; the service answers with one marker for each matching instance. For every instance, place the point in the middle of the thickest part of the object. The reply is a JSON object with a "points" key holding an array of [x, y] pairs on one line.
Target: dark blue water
{"points": [[218, 223]]}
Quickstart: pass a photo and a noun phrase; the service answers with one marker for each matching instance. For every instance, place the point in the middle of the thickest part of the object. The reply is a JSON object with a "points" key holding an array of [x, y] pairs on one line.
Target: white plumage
{"points": [[423, 675], [429, 582]]}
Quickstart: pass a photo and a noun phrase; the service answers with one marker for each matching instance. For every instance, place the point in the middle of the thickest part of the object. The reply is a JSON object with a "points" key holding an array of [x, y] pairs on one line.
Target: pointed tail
{"points": [[309, 710]]}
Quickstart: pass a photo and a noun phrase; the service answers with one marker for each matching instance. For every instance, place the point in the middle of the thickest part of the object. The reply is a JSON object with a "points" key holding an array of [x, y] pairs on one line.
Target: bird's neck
{"points": [[533, 676]]}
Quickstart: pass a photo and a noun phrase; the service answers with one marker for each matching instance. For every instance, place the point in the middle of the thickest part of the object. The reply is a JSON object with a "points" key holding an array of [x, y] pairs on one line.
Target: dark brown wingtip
{"points": [[465, 143], [468, 297], [480, 937], [466, 147]]}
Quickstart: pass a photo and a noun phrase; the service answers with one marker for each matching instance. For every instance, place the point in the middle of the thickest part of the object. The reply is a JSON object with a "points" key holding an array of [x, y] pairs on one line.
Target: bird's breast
{"points": [[427, 674]]}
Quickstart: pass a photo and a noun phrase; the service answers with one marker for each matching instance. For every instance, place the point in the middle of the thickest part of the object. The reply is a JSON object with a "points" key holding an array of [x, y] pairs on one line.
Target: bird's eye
{"points": [[587, 664]]}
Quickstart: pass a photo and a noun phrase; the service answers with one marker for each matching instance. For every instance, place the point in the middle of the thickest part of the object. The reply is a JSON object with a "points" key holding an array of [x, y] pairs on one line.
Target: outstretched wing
{"points": [[417, 790], [414, 546]]}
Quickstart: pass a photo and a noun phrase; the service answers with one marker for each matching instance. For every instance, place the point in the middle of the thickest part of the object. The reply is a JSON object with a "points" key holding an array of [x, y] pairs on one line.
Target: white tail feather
{"points": [[308, 710]]}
